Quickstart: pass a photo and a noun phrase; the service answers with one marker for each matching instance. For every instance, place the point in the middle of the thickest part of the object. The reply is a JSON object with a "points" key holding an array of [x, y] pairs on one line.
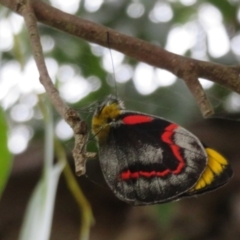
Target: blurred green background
{"points": [[83, 72]]}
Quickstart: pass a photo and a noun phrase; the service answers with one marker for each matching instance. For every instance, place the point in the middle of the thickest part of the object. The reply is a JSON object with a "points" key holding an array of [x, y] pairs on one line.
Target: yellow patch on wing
{"points": [[215, 166]]}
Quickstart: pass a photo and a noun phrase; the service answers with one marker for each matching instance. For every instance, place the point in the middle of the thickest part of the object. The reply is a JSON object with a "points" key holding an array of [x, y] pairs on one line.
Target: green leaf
{"points": [[37, 223], [5, 156], [38, 218]]}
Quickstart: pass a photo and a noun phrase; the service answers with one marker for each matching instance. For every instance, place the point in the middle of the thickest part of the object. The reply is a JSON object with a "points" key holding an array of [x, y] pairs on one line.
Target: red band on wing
{"points": [[134, 175], [136, 119], [167, 138]]}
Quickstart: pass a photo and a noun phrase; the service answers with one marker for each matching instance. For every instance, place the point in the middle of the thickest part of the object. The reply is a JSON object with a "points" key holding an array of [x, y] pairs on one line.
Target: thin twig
{"points": [[201, 98], [197, 90], [87, 219], [70, 115], [227, 76]]}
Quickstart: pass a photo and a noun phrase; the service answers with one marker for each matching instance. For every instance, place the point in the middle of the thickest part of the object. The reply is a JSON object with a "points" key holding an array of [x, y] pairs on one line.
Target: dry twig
{"points": [[70, 115]]}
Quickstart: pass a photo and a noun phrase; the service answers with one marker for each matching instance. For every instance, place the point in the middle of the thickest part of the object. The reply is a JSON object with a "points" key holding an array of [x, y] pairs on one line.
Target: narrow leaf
{"points": [[38, 220], [5, 156]]}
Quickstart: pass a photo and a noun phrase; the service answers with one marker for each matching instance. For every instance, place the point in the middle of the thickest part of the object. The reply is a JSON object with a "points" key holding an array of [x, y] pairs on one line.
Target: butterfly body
{"points": [[146, 159]]}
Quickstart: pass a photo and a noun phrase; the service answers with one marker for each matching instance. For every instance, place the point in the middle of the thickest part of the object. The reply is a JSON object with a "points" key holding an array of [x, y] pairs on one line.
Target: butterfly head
{"points": [[107, 112]]}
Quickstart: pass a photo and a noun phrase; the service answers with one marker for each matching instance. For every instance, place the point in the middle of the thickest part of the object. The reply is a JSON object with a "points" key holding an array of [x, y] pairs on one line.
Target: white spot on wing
{"points": [[150, 154]]}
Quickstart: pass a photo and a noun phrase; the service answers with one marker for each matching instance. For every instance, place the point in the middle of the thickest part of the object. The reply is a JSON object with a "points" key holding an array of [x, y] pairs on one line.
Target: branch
{"points": [[70, 115], [196, 89], [188, 69]]}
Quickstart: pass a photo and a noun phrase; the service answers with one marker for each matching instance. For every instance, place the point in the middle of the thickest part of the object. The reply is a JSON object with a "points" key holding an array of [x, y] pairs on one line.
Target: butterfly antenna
{"points": [[114, 77]]}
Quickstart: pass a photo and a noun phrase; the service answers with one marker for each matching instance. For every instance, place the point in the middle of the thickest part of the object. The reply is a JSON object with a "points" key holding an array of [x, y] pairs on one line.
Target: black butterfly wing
{"points": [[148, 160]]}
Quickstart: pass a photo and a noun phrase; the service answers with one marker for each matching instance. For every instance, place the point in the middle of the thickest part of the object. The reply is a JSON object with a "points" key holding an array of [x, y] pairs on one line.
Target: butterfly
{"points": [[146, 159]]}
